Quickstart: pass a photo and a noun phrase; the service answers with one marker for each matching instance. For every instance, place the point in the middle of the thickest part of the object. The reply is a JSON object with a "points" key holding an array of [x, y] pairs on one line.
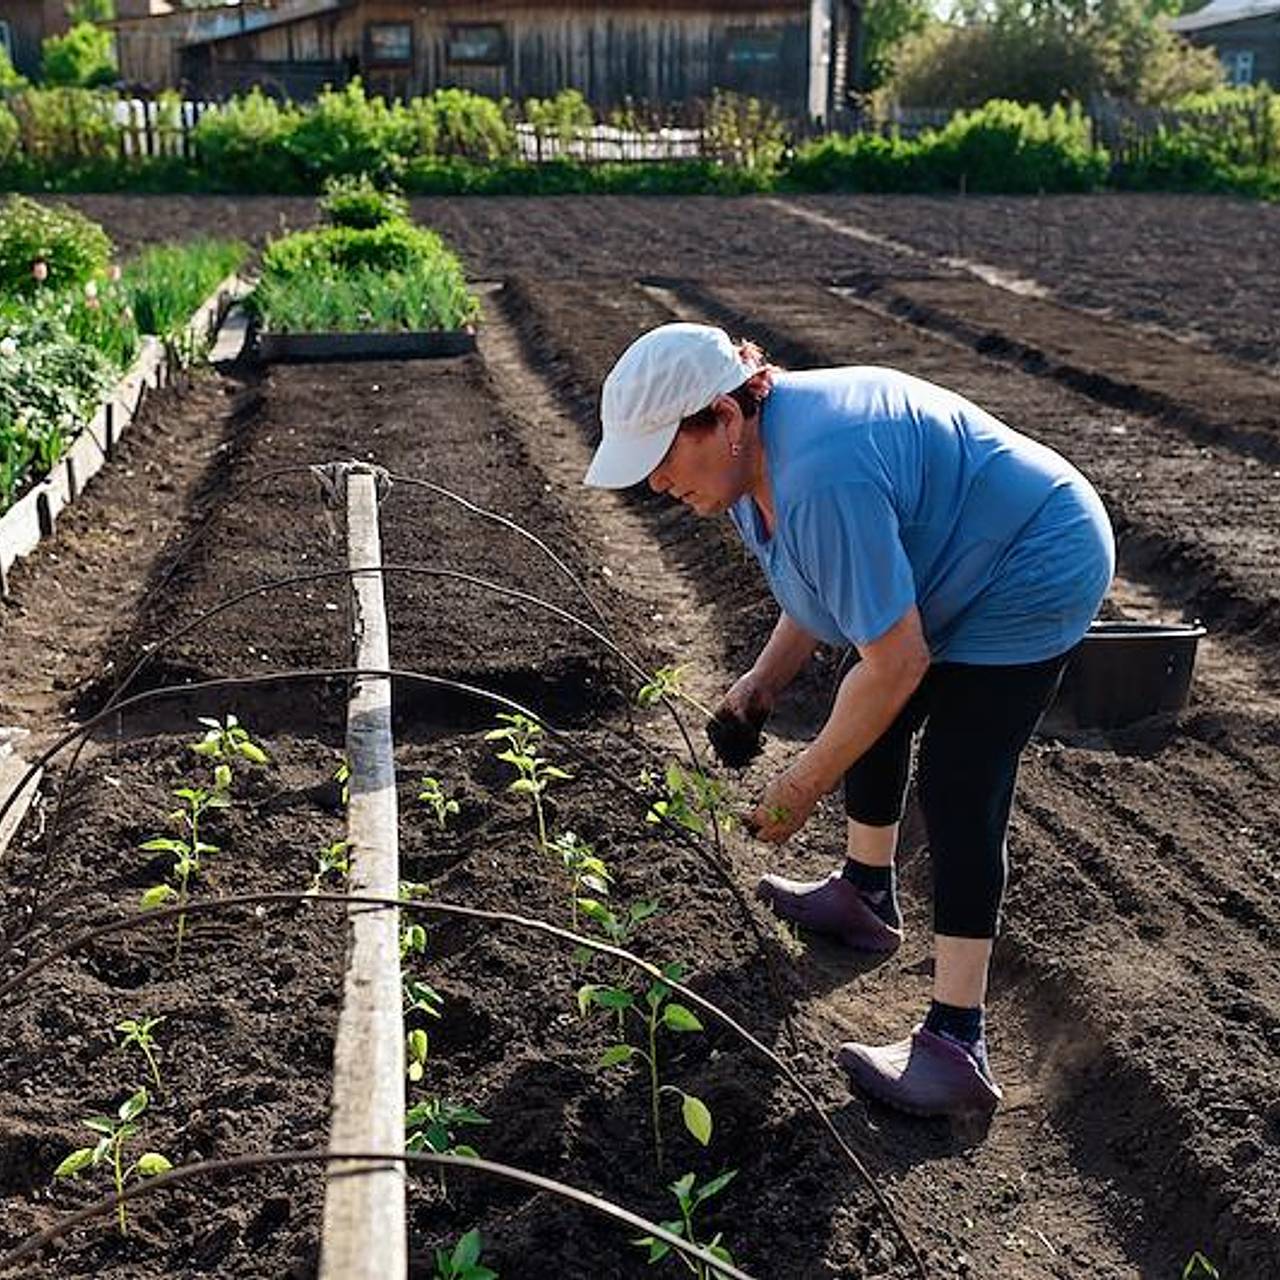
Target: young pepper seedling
{"points": [[109, 1149]]}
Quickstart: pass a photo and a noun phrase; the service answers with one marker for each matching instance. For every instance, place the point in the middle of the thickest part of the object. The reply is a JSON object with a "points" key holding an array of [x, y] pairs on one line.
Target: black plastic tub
{"points": [[1126, 672]]}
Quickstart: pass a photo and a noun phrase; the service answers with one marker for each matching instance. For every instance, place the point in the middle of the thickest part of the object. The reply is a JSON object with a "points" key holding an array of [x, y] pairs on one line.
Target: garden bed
{"points": [[1134, 1008]]}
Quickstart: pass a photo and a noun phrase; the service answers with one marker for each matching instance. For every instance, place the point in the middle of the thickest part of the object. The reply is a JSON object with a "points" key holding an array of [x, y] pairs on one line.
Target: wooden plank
{"points": [[365, 1234], [12, 770]]}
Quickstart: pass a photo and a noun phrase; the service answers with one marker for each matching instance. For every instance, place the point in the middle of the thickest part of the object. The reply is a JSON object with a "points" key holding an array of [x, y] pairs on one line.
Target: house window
{"points": [[6, 39], [1238, 64], [483, 43], [748, 47], [388, 44]]}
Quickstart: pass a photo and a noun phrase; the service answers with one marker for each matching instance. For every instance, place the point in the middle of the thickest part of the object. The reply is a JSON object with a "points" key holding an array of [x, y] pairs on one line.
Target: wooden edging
{"points": [[34, 516], [318, 348], [365, 1231]]}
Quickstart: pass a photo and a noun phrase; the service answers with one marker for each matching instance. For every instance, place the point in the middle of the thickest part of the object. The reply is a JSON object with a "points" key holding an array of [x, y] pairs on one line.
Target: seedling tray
{"points": [[323, 348]]}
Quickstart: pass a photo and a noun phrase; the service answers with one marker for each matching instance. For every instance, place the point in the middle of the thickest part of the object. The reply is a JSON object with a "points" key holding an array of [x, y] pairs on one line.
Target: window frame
{"points": [[760, 36], [498, 58], [1239, 65], [371, 58]]}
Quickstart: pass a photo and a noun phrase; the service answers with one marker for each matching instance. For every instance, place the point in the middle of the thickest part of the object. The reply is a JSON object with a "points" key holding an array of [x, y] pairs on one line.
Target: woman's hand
{"points": [[734, 730], [786, 805]]}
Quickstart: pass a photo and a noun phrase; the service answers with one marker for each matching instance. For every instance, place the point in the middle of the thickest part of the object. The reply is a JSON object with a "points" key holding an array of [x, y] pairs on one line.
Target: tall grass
{"points": [[168, 282]]}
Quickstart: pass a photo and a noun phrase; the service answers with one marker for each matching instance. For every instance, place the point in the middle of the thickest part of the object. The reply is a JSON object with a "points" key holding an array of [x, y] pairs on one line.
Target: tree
{"points": [[885, 24], [83, 57], [1049, 51], [95, 11]]}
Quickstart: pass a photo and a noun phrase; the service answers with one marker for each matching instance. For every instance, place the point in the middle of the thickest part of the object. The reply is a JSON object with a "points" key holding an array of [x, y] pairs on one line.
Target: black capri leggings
{"points": [[977, 721]]}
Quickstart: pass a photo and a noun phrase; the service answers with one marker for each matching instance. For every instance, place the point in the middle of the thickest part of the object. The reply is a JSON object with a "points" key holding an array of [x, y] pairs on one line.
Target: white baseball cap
{"points": [[659, 380]]}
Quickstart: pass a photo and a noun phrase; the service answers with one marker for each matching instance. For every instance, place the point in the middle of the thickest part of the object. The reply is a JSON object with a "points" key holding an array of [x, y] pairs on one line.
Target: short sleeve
{"points": [[845, 543]]}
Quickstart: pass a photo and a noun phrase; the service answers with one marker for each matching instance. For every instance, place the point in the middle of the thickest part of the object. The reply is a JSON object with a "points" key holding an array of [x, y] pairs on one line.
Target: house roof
{"points": [[1218, 13]]}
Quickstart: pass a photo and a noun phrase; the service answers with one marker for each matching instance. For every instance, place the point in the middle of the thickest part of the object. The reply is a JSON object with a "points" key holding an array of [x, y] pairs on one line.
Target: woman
{"points": [[963, 561]]}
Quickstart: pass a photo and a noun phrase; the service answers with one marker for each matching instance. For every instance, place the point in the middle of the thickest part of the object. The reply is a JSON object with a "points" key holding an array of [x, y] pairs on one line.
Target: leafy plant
{"points": [[668, 682], [137, 1031], [656, 1011], [463, 1262], [690, 1197], [48, 246], [83, 57], [342, 776], [433, 795], [109, 1149], [691, 798], [226, 741], [535, 772], [585, 870], [433, 1124], [197, 801], [332, 860], [357, 201]]}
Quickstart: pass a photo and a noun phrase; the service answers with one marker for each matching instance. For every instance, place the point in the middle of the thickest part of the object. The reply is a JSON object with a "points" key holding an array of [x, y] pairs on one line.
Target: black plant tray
{"points": [[318, 348]]}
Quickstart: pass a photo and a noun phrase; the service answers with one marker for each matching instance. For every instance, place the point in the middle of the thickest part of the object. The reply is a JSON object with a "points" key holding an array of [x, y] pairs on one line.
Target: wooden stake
{"points": [[365, 1234]]}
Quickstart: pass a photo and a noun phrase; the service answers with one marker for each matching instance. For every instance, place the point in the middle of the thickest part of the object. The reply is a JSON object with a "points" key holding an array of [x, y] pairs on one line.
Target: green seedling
{"points": [[1199, 1268], [656, 1011], [534, 771], [432, 1125], [197, 801], [690, 799], [342, 776], [586, 872], [419, 997], [668, 682], [463, 1263], [225, 742], [432, 794], [334, 860], [618, 928], [690, 1196], [137, 1031], [109, 1149]]}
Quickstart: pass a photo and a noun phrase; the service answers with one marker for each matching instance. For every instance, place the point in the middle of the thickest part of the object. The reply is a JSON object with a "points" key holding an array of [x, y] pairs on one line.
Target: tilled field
{"points": [[1136, 998]]}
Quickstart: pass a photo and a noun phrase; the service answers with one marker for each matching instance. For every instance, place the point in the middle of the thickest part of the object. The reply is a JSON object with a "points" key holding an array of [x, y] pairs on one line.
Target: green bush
{"points": [[347, 132], [1008, 147], [83, 58], [395, 276], [243, 142], [860, 162], [9, 135], [10, 80], [325, 250], [72, 248], [61, 128], [455, 123], [1000, 147], [565, 117], [359, 202], [50, 383]]}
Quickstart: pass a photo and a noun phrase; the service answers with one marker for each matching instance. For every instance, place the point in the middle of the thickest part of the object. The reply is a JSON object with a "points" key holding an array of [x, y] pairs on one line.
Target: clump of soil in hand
{"points": [[736, 740]]}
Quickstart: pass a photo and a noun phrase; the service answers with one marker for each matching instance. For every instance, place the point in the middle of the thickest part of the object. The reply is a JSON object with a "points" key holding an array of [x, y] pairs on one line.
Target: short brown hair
{"points": [[749, 396]]}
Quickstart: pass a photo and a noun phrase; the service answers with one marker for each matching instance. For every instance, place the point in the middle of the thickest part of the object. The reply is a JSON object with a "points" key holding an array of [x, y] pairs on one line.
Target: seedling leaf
{"points": [[76, 1161], [697, 1119], [677, 1018], [617, 1054], [151, 1163]]}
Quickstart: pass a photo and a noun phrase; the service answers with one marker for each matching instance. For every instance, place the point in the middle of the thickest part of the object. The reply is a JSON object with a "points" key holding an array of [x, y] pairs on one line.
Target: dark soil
{"points": [[1135, 1005]]}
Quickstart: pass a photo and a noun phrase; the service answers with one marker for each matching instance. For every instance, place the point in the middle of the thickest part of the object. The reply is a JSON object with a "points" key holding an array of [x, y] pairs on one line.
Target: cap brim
{"points": [[619, 464]]}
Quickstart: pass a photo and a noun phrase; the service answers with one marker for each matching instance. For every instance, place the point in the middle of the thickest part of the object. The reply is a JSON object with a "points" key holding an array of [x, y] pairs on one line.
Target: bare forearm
{"points": [[788, 649], [867, 703]]}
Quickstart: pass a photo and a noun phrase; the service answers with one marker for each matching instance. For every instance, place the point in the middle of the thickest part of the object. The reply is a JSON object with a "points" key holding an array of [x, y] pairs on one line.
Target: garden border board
{"points": [[321, 348], [34, 516]]}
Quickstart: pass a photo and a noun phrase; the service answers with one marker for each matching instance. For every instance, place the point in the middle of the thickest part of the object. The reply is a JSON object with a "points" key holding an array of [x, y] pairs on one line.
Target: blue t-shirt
{"points": [[889, 491]]}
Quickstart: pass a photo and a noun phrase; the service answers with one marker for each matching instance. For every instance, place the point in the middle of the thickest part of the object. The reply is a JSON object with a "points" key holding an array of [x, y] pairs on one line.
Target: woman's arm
{"points": [[752, 695], [869, 699]]}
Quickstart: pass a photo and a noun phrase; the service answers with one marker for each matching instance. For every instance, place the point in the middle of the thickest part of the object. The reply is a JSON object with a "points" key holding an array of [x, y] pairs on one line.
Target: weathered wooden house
{"points": [[795, 53], [25, 25], [1245, 33]]}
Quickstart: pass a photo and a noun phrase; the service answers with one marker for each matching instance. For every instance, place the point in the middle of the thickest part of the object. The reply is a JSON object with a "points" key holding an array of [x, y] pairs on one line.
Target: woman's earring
{"points": [[735, 449]]}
